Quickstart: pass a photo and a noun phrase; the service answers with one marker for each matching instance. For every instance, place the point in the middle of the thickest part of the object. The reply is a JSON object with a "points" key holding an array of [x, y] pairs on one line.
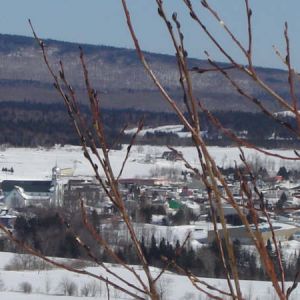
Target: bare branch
{"points": [[139, 128], [291, 73], [31, 251]]}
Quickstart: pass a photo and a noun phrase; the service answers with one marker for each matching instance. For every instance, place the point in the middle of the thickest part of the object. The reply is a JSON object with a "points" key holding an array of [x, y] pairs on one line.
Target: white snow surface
{"points": [[285, 113], [176, 129], [37, 163], [46, 284]]}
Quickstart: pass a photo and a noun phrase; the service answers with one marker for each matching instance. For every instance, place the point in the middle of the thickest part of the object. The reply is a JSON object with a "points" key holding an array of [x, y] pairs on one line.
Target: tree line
{"points": [[28, 124], [43, 226]]}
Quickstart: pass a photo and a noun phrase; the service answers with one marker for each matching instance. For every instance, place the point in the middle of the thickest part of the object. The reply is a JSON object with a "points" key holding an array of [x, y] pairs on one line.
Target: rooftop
{"points": [[31, 186]]}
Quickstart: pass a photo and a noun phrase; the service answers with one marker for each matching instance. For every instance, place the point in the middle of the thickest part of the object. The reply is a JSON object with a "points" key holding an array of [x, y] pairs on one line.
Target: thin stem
{"points": [[291, 73]]}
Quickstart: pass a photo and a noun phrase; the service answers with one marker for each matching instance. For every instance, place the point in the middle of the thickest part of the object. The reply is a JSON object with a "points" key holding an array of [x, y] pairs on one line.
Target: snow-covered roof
{"points": [[36, 186], [26, 196]]}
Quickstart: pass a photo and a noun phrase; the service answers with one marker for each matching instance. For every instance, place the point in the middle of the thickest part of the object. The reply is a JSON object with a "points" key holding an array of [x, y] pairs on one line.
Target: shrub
{"points": [[89, 289], [21, 262], [84, 291], [25, 287], [68, 287], [2, 286]]}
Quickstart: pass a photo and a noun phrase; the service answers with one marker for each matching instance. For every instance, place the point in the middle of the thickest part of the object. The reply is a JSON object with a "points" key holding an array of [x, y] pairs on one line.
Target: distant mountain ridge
{"points": [[119, 77]]}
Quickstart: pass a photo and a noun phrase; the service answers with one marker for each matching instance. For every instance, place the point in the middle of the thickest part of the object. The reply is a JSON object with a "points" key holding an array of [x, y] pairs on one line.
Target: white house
{"points": [[18, 198]]}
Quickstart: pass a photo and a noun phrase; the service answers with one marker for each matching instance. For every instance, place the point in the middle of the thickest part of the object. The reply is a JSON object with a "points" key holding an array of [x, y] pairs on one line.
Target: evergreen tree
{"points": [[190, 258], [282, 200], [153, 251], [21, 227], [170, 251], [177, 247], [69, 247], [283, 172], [269, 247], [179, 217], [144, 249], [163, 247], [95, 220]]}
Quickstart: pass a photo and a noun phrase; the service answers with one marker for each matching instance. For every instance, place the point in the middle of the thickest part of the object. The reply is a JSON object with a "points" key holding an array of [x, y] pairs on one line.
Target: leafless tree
{"points": [[96, 151]]}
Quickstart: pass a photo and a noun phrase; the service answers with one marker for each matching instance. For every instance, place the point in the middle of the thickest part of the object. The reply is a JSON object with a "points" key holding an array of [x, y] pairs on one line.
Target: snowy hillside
{"points": [[48, 284]]}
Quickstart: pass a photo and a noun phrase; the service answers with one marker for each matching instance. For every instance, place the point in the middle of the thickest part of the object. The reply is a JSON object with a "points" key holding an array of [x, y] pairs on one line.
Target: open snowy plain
{"points": [[144, 161]]}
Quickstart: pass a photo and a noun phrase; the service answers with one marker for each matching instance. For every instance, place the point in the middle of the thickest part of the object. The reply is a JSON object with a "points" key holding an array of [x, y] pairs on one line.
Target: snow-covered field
{"points": [[176, 129], [46, 284], [37, 163]]}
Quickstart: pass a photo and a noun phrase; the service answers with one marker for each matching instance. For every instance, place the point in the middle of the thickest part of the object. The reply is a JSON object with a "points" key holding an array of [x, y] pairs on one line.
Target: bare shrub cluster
{"points": [[23, 262], [68, 287], [25, 287], [2, 285], [91, 289]]}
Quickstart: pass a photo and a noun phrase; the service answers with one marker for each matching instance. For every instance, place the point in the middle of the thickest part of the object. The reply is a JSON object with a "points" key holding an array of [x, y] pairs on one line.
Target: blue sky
{"points": [[103, 22]]}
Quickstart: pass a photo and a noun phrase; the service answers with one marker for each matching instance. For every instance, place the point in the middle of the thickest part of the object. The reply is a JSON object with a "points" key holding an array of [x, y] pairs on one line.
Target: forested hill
{"points": [[119, 77], [39, 124]]}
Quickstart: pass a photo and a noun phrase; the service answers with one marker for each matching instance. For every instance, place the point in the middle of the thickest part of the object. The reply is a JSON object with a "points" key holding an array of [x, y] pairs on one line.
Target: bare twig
{"points": [[139, 128], [102, 242], [92, 256], [291, 73], [229, 133], [110, 185]]}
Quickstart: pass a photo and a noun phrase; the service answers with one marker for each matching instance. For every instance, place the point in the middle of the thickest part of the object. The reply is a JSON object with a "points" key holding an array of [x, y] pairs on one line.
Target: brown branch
{"points": [[195, 135], [181, 55], [111, 183], [229, 133], [219, 240], [102, 242], [86, 137], [250, 72], [293, 287], [210, 188], [254, 100], [194, 280], [222, 23], [291, 73], [164, 269], [91, 255], [263, 209], [210, 164], [118, 138], [250, 41], [283, 60], [148, 69], [256, 237], [132, 142], [205, 70]]}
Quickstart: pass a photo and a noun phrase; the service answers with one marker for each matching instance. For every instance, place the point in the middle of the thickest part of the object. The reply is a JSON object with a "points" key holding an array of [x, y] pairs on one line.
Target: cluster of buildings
{"points": [[63, 190], [164, 197]]}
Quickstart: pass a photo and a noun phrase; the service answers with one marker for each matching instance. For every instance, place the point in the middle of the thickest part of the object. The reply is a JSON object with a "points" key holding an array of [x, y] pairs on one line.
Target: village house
{"points": [[7, 219], [21, 193], [76, 190], [172, 155]]}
